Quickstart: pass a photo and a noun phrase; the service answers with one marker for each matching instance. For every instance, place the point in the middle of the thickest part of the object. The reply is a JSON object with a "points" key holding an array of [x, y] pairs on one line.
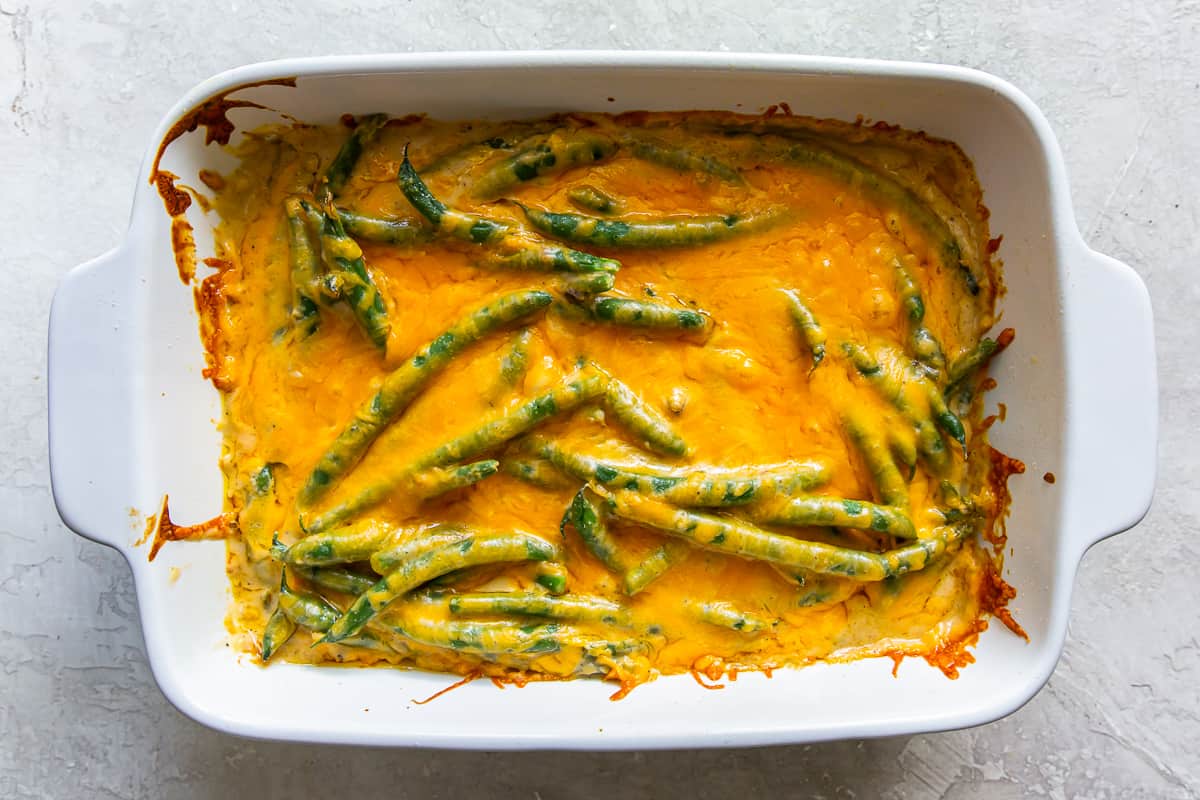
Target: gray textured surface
{"points": [[82, 85]]}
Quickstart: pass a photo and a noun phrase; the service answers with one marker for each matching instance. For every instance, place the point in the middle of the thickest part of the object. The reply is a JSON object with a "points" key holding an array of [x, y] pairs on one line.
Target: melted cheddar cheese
{"points": [[747, 394]]}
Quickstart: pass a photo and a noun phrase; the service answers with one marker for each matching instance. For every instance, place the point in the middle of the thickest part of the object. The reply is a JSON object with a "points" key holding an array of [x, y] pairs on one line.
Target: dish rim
{"points": [[1064, 225]]}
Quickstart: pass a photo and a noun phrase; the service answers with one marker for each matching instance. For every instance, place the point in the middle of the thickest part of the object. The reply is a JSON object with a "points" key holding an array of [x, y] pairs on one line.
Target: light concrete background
{"points": [[82, 84]]}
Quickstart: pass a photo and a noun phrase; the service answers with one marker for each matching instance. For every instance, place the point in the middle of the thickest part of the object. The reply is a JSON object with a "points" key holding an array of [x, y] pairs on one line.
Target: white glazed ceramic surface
{"points": [[131, 417]]}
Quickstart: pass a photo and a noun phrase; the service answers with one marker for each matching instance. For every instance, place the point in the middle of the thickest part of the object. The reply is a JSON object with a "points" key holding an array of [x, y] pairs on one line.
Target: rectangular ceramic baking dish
{"points": [[131, 416]]}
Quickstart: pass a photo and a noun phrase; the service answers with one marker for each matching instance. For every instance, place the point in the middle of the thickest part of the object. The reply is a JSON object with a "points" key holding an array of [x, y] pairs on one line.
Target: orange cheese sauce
{"points": [[747, 394]]}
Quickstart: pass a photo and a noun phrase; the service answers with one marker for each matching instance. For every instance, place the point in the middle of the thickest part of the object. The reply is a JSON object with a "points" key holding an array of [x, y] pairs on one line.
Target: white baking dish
{"points": [[131, 417]]}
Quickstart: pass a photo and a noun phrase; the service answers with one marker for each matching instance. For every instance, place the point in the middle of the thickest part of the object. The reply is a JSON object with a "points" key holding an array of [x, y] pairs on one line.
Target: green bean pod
{"points": [[923, 344], [976, 359], [436, 481], [425, 622], [589, 522], [515, 362], [572, 392], [579, 286], [807, 323], [904, 448], [578, 607], [343, 256], [699, 487], [516, 249], [736, 537], [305, 263], [339, 580], [560, 151], [835, 512], [640, 418], [680, 159], [551, 576], [415, 541], [351, 151], [648, 231], [355, 542], [317, 614], [404, 383], [256, 515], [642, 314], [379, 229], [477, 548], [278, 630], [910, 393], [537, 472], [661, 559], [889, 483], [589, 198], [726, 615]]}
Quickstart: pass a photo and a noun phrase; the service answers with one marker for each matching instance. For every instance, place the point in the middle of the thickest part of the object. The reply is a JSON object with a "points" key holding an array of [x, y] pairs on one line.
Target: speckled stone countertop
{"points": [[82, 85]]}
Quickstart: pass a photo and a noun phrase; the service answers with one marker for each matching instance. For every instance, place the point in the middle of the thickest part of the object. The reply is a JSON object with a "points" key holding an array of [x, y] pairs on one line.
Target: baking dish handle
{"points": [[1112, 409], [90, 399]]}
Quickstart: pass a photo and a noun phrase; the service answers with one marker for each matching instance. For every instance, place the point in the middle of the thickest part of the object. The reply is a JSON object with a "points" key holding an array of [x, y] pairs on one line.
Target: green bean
{"points": [[925, 347], [726, 615], [976, 358], [648, 231], [460, 159], [578, 286], [317, 614], [436, 481], [339, 580], [889, 483], [278, 630], [561, 150], [516, 359], [836, 512], [946, 419], [661, 559], [343, 257], [640, 417], [416, 480], [818, 589], [415, 541], [524, 252], [379, 229], [536, 472], [896, 200], [810, 329], [263, 481], [572, 392], [910, 393], [587, 608], [679, 159], [255, 515], [589, 522], [642, 314], [552, 577], [736, 537], [589, 198], [476, 548], [305, 266], [347, 157], [903, 447], [355, 542], [307, 610], [416, 622], [701, 486], [402, 385]]}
